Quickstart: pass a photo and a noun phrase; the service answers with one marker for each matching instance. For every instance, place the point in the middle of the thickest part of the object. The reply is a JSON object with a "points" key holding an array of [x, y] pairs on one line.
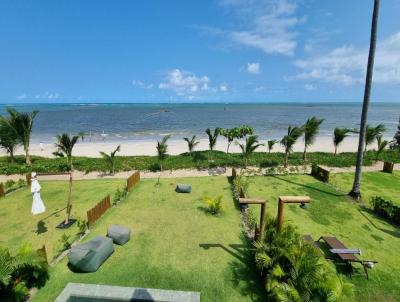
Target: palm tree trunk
{"points": [[27, 157], [11, 155], [335, 150], [356, 190], [286, 159], [305, 153]]}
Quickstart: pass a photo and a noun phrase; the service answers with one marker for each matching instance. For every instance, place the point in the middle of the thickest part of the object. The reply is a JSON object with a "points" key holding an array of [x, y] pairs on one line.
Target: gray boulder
{"points": [[119, 234]]}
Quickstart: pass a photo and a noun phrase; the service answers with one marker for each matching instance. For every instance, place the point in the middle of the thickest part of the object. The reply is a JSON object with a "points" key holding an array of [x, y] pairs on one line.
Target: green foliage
{"points": [[65, 242], [289, 140], [386, 208], [110, 159], [8, 137], [248, 148], [212, 137], [65, 144], [382, 144], [9, 183], [241, 184], [271, 143], [82, 225], [294, 270], [162, 150], [250, 219], [311, 130], [396, 139], [372, 133], [339, 134], [120, 195], [214, 205], [192, 143]]}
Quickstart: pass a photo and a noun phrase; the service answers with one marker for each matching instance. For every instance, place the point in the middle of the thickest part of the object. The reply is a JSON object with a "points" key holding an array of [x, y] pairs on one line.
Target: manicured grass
{"points": [[333, 213], [381, 184], [19, 226], [175, 244], [199, 159]]}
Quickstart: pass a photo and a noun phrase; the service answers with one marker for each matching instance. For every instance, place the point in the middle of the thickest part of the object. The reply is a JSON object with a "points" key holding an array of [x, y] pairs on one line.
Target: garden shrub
{"points": [[214, 205], [386, 209]]}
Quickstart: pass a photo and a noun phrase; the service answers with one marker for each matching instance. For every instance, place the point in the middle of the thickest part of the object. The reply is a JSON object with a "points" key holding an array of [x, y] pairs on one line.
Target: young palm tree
{"points": [[249, 147], [396, 139], [289, 140], [212, 137], [22, 124], [110, 159], [382, 144], [162, 150], [230, 135], [65, 144], [311, 129], [371, 134], [339, 134], [356, 190], [8, 138], [192, 143], [271, 143]]}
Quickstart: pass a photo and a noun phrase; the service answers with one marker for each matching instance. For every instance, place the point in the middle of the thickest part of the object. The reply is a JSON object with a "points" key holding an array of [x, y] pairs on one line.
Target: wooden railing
{"points": [[132, 180], [96, 212]]}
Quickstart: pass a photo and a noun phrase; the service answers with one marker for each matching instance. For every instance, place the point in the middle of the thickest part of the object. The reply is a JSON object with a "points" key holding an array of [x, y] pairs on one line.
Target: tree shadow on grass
{"points": [[41, 227], [363, 211]]}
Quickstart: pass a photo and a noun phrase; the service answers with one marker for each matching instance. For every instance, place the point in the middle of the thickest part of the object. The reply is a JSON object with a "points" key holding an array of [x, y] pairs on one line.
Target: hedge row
{"points": [[386, 209]]}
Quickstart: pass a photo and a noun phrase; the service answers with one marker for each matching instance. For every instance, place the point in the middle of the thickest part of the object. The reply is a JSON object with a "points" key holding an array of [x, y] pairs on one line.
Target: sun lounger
{"points": [[341, 252], [308, 238]]}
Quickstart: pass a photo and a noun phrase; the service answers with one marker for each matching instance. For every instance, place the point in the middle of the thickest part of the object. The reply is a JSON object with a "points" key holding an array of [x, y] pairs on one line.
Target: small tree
{"points": [[65, 144], [311, 129], [289, 140], [230, 135], [339, 134], [110, 159], [245, 130], [396, 139], [249, 147], [8, 138], [371, 134], [192, 143], [162, 150], [271, 143], [382, 144]]}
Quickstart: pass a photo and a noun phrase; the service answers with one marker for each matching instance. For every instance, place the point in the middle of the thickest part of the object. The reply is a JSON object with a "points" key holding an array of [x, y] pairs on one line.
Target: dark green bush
{"points": [[386, 209]]}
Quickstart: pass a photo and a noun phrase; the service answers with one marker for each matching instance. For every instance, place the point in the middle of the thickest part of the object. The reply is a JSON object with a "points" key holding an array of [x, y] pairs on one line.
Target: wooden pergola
{"points": [[289, 199], [263, 204]]}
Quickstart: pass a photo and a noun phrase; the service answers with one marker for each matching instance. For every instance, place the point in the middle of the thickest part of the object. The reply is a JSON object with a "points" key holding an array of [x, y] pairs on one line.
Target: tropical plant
{"points": [[271, 143], [289, 140], [311, 130], [371, 134], [21, 123], [65, 144], [339, 134], [356, 189], [382, 144], [294, 270], [82, 135], [230, 135], [212, 137], [110, 159], [241, 184], [82, 226], [214, 205], [244, 131], [192, 143], [162, 150], [396, 139], [248, 147], [8, 137]]}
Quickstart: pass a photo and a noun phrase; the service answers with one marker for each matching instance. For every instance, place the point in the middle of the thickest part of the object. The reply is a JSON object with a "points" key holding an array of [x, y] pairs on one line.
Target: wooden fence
{"points": [[388, 167], [96, 212], [132, 180], [2, 191], [320, 173]]}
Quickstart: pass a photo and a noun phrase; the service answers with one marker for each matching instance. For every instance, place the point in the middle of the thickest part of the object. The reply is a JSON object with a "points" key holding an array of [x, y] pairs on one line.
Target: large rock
{"points": [[119, 234], [89, 256], [182, 188]]}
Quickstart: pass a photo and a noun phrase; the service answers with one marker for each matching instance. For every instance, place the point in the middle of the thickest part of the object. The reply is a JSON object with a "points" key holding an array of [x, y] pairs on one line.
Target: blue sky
{"points": [[195, 51]]}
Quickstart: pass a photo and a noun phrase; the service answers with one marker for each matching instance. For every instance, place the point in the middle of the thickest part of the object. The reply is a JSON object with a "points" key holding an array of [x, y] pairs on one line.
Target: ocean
{"points": [[120, 122]]}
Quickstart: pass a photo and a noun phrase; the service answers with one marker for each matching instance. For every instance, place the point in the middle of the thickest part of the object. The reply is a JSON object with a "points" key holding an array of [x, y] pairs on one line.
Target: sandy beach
{"points": [[178, 146]]}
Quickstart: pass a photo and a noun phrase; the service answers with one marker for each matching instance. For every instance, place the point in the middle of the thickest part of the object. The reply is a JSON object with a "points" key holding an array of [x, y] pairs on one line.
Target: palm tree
{"points": [[249, 147], [339, 134], [82, 135], [311, 129], [22, 123], [356, 190], [212, 137], [396, 139], [110, 159], [382, 144], [162, 150], [191, 143], [65, 144], [230, 135], [8, 138], [289, 140], [271, 143], [371, 134]]}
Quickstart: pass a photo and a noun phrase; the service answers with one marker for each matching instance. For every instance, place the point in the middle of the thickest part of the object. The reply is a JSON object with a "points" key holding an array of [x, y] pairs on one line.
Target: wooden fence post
{"points": [[2, 191]]}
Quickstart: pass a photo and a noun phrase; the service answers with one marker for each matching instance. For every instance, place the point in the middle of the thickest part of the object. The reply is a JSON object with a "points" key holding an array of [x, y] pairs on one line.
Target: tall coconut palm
{"points": [[271, 143], [110, 159], [356, 190], [162, 150], [192, 143], [382, 144], [8, 138], [22, 124], [65, 144], [289, 140], [371, 134], [249, 146], [339, 134], [311, 129]]}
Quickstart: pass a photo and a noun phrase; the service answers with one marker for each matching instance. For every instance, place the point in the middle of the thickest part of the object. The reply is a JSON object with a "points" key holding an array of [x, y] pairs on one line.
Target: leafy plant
{"points": [[65, 144], [192, 143], [382, 144], [311, 130], [82, 226], [110, 159], [271, 143], [8, 137], [162, 150], [386, 208], [396, 139], [214, 205], [241, 184], [65, 243], [251, 144], [371, 134], [9, 183], [289, 140], [339, 134]]}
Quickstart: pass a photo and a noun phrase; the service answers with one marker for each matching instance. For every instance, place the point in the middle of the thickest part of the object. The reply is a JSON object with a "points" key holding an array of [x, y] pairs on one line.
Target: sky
{"points": [[196, 51]]}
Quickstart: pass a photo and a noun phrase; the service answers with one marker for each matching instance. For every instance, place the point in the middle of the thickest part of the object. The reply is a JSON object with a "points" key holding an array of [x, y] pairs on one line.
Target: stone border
{"points": [[74, 291]]}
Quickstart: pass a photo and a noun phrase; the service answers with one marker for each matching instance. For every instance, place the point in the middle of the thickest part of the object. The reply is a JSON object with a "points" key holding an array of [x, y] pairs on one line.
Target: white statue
{"points": [[37, 205]]}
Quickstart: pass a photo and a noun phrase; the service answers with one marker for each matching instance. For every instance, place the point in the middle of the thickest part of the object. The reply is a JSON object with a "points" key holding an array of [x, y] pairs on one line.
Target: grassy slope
{"points": [[18, 225], [166, 250], [332, 213]]}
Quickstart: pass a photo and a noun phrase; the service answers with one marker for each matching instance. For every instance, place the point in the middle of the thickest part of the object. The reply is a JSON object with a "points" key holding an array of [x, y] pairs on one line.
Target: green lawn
{"points": [[18, 225], [373, 184], [333, 213], [175, 245]]}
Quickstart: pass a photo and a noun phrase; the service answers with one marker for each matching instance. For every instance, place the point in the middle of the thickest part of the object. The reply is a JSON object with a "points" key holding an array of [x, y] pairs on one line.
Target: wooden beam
{"points": [[252, 200], [295, 199]]}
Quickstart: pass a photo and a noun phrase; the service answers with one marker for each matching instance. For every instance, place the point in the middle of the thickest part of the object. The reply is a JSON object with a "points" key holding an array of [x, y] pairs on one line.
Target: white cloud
{"points": [[253, 68], [269, 25], [346, 65], [48, 95], [223, 87], [141, 84], [309, 87], [21, 96]]}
